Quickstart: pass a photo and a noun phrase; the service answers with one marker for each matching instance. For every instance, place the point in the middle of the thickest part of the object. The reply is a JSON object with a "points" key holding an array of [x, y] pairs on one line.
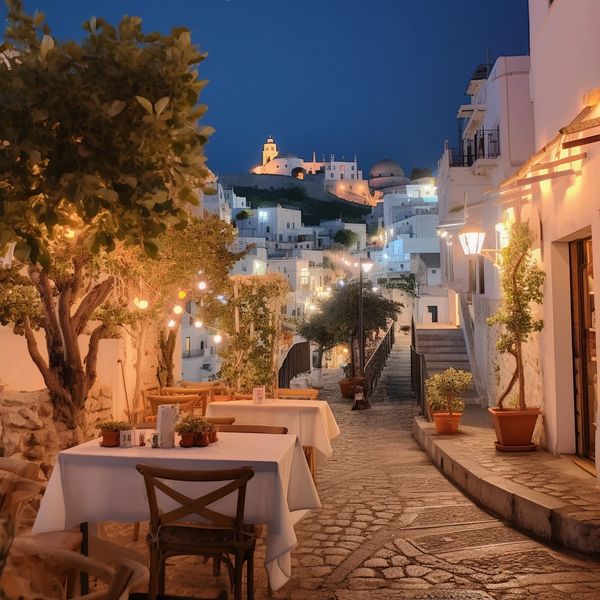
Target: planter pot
{"points": [[212, 436], [201, 439], [348, 384], [187, 439], [110, 438], [514, 428], [446, 423]]}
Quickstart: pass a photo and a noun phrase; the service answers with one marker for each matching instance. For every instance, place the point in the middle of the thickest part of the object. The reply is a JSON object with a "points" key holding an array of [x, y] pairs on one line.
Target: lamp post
{"points": [[365, 266]]}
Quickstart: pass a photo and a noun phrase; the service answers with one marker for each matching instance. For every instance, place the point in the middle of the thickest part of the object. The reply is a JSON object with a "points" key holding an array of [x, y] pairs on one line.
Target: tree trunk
{"points": [[166, 364]]}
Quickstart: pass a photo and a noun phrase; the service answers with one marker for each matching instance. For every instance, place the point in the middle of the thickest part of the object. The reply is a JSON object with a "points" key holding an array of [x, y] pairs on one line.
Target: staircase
{"points": [[443, 348], [397, 386]]}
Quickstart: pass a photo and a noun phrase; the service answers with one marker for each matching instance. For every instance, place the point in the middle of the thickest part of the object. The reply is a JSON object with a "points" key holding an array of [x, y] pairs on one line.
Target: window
{"points": [[351, 175], [433, 271], [289, 238], [188, 345], [433, 311], [268, 229], [263, 215], [288, 225], [332, 176], [341, 176], [352, 167]]}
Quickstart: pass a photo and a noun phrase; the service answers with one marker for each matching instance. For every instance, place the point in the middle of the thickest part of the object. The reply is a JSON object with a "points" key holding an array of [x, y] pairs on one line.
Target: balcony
{"points": [[484, 144]]}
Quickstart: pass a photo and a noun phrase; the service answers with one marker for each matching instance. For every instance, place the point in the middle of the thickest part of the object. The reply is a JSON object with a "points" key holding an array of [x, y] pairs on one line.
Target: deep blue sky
{"points": [[379, 78]]}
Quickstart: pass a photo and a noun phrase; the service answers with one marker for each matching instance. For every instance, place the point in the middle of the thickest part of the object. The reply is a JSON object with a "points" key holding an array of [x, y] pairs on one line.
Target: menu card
{"points": [[258, 395], [165, 424]]}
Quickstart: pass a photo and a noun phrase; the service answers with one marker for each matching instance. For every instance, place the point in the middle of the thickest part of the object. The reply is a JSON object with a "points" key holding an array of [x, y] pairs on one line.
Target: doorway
{"points": [[584, 345]]}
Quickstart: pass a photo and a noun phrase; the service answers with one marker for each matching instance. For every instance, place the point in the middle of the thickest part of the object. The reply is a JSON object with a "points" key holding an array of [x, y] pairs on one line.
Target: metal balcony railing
{"points": [[484, 144]]}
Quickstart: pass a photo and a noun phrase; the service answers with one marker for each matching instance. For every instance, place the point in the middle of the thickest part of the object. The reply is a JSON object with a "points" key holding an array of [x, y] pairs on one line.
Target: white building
{"points": [[275, 224], [218, 204], [330, 228]]}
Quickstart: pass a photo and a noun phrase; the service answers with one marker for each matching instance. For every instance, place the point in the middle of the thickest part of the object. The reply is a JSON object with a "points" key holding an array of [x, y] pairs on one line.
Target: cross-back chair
{"points": [[218, 536], [187, 402]]}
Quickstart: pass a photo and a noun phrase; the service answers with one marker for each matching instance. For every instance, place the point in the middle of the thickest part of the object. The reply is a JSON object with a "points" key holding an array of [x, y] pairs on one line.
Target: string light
{"points": [[141, 304], [70, 234], [177, 309], [218, 338], [198, 324], [171, 323], [202, 285], [181, 295]]}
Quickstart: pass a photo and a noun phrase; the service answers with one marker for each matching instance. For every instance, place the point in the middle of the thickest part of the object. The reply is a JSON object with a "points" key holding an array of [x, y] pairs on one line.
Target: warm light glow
{"points": [[218, 338], [375, 288], [141, 304], [202, 285], [499, 227], [471, 240], [177, 309], [69, 233], [171, 323], [198, 324], [366, 264], [345, 350], [311, 307], [181, 295]]}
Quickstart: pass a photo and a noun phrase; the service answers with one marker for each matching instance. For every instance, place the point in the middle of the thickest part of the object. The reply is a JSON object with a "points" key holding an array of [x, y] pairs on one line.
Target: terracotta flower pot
{"points": [[187, 439], [348, 384], [514, 428], [201, 439], [110, 438], [446, 423], [212, 436]]}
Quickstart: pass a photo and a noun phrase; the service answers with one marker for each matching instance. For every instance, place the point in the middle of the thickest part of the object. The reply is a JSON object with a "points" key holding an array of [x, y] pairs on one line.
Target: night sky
{"points": [[379, 78]]}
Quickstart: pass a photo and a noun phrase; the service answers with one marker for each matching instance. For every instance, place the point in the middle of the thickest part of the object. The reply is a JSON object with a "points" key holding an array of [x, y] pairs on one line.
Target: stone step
{"points": [[449, 356], [440, 334], [431, 345]]}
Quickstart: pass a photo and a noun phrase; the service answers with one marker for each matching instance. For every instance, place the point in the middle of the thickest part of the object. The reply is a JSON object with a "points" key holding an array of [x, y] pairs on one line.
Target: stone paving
{"points": [[392, 526]]}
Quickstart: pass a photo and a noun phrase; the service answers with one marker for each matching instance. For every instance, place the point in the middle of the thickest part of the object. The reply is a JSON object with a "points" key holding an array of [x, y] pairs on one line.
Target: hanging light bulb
{"points": [[70, 234], [218, 338], [198, 324], [177, 309], [202, 285], [171, 323], [181, 294], [140, 303]]}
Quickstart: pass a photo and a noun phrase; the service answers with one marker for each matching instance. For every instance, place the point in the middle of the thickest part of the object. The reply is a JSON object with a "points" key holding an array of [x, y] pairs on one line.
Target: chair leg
{"points": [[250, 575], [216, 566], [154, 575], [161, 576], [237, 576], [136, 531]]}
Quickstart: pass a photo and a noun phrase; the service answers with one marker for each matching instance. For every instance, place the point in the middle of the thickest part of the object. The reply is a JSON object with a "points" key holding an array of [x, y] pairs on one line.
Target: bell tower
{"points": [[269, 150]]}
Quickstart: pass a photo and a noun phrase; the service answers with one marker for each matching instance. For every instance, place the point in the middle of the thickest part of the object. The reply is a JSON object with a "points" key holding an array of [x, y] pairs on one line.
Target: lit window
{"points": [[263, 215]]}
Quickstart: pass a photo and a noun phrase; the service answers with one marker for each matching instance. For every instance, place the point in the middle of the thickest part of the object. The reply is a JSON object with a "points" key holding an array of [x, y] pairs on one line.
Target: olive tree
{"points": [[100, 147]]}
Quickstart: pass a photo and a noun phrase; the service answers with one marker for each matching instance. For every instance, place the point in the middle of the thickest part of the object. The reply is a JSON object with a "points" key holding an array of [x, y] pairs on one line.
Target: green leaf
{"points": [[145, 103], [161, 104], [22, 251], [107, 194]]}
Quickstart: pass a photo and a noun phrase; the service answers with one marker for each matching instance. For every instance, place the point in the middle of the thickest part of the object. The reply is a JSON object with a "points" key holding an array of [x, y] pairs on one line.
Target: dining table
{"points": [[311, 420], [93, 484]]}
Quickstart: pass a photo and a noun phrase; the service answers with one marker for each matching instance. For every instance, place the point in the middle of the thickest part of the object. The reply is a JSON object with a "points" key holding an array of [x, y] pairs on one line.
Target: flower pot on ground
{"points": [[111, 431], [443, 392], [521, 280], [348, 386]]}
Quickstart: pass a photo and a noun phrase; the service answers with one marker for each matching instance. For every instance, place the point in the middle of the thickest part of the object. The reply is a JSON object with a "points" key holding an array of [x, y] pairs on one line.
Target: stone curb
{"points": [[543, 516]]}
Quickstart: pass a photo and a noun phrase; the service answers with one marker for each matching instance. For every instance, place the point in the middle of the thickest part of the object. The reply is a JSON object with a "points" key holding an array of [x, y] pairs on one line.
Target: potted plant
{"points": [[110, 432], [443, 392], [187, 427], [521, 279], [201, 437], [212, 433]]}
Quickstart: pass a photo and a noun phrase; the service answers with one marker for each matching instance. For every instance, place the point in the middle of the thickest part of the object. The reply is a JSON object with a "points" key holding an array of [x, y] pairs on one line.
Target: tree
{"points": [[521, 279], [100, 147], [320, 331], [338, 319], [346, 237], [420, 172], [405, 282], [243, 215], [248, 314]]}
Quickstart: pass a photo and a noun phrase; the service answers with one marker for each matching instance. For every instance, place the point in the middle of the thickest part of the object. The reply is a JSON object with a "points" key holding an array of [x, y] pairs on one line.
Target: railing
{"points": [[296, 362], [377, 360], [418, 370], [194, 353], [484, 144]]}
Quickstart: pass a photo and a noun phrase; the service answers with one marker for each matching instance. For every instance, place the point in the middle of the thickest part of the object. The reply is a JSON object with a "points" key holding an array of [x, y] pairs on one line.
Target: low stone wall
{"points": [[28, 431]]}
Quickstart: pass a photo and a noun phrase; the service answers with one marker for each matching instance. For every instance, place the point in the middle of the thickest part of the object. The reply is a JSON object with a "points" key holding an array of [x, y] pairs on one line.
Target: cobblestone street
{"points": [[393, 527]]}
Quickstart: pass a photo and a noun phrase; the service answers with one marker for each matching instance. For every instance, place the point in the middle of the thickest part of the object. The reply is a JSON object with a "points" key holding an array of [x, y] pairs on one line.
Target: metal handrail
{"points": [[484, 144], [377, 361], [418, 371]]}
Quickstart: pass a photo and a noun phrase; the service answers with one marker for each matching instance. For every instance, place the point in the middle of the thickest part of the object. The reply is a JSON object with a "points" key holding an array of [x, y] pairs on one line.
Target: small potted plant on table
{"points": [[111, 431], [443, 398], [187, 427], [521, 279]]}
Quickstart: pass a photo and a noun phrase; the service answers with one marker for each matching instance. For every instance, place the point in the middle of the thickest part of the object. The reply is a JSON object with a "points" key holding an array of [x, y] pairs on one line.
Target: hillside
{"points": [[314, 209]]}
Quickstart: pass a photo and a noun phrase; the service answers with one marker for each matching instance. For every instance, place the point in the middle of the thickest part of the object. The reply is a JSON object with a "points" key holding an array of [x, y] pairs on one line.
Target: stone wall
{"points": [[28, 431]]}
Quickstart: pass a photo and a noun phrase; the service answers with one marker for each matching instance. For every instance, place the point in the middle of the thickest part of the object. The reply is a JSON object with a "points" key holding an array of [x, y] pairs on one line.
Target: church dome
{"points": [[386, 168]]}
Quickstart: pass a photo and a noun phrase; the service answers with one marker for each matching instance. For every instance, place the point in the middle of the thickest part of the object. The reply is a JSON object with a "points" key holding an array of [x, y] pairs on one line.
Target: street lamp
{"points": [[366, 264]]}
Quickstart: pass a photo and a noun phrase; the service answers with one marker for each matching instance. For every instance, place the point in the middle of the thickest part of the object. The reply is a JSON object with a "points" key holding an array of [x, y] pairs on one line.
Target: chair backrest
{"points": [[188, 383], [201, 389], [307, 393], [252, 429], [221, 420], [187, 402], [156, 478]]}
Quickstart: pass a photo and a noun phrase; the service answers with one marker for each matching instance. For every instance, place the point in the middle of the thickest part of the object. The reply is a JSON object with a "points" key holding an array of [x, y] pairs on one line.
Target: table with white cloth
{"points": [[311, 420], [91, 483]]}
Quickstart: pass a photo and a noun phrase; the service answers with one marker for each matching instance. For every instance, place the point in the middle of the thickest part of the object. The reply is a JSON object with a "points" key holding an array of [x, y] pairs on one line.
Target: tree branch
{"points": [[92, 356], [49, 377], [46, 296], [92, 300]]}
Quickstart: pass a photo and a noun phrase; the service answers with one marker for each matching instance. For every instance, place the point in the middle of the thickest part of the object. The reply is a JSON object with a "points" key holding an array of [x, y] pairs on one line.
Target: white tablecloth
{"points": [[311, 420], [93, 484]]}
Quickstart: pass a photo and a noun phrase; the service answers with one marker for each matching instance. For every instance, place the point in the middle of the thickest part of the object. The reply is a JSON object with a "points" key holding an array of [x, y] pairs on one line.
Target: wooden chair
{"points": [[201, 389], [187, 402], [253, 429], [306, 393], [188, 383], [218, 536], [221, 420]]}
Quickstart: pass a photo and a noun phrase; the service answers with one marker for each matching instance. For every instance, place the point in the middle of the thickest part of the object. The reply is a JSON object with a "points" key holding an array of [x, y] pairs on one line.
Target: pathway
{"points": [[392, 527]]}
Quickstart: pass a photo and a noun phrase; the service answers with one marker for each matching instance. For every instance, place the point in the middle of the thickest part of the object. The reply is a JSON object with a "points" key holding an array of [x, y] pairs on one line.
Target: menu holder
{"points": [[258, 395], [165, 424]]}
